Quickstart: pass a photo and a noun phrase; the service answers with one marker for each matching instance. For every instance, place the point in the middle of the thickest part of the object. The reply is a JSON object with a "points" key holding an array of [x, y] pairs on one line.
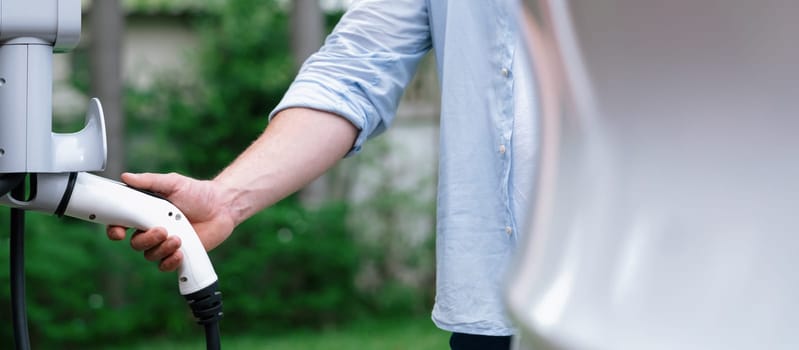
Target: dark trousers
{"points": [[462, 341]]}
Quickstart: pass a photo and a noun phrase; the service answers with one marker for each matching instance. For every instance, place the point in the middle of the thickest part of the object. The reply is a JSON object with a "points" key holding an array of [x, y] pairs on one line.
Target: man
{"points": [[348, 92]]}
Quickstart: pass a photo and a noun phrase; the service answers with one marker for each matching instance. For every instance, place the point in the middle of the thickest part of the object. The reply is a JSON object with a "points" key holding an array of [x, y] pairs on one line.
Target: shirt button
{"points": [[508, 230], [501, 149], [505, 72]]}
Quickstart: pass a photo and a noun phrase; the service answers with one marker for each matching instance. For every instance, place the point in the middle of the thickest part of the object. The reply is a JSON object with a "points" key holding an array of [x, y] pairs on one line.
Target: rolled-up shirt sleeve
{"points": [[363, 67]]}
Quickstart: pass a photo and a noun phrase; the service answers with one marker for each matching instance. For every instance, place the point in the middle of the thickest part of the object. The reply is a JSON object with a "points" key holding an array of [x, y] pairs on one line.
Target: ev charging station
{"points": [[56, 165]]}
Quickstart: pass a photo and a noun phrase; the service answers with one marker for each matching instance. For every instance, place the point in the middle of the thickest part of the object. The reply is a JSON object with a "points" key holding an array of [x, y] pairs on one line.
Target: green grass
{"points": [[416, 334]]}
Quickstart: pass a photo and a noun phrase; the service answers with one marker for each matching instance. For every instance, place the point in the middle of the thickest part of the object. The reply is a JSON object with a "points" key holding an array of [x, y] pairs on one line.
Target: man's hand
{"points": [[203, 203], [298, 145]]}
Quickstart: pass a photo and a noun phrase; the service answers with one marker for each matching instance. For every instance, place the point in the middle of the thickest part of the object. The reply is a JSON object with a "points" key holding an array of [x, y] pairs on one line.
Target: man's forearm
{"points": [[298, 146]]}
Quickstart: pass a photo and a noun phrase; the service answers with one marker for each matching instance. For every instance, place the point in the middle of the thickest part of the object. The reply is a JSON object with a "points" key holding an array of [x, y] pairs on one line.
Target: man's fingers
{"points": [[172, 262], [142, 241], [116, 233], [163, 250]]}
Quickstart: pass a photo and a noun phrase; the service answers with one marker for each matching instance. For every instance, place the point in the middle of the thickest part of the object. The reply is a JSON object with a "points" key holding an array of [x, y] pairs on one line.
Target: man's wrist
{"points": [[231, 200]]}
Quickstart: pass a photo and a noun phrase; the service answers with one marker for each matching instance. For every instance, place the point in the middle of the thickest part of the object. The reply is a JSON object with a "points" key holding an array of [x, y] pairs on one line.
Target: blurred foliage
{"points": [[287, 267], [297, 271], [415, 333], [198, 127], [391, 256]]}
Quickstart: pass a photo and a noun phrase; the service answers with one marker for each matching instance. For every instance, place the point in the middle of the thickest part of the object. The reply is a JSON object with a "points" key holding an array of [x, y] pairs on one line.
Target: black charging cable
{"points": [[206, 304], [15, 184], [10, 181]]}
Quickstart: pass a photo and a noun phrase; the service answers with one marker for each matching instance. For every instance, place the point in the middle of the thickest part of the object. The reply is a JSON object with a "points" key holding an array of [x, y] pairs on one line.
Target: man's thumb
{"points": [[163, 184]]}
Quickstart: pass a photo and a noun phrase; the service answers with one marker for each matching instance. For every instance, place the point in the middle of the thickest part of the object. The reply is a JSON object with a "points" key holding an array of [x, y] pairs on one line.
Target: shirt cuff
{"points": [[331, 97]]}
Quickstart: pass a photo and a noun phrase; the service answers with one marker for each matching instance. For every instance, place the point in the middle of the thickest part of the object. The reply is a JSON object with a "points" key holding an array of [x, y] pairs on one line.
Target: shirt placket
{"points": [[505, 94]]}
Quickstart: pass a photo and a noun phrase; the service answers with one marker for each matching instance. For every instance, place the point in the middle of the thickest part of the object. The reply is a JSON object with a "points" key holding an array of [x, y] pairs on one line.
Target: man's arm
{"points": [[357, 77], [298, 146]]}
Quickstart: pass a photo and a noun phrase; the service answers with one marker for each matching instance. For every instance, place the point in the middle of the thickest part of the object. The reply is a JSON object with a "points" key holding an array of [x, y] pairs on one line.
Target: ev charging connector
{"points": [[30, 32]]}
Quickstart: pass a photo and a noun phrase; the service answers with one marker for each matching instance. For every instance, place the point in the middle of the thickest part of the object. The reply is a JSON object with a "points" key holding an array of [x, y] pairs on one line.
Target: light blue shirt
{"points": [[360, 74]]}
